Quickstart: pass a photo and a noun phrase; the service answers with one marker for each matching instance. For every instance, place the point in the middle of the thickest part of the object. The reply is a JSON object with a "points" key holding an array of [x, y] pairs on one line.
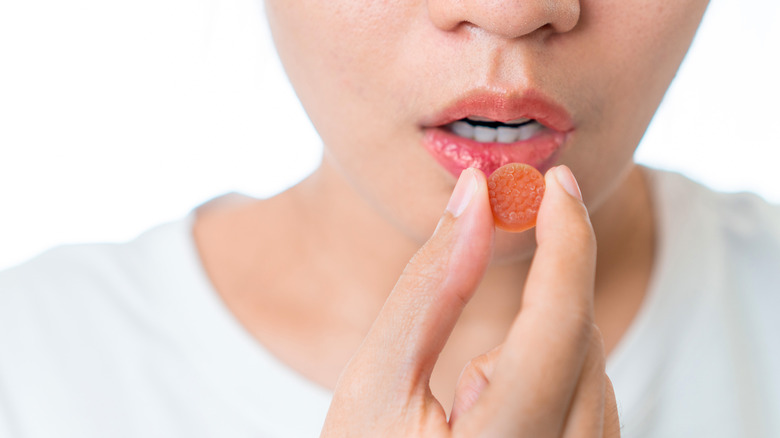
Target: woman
{"points": [[416, 102]]}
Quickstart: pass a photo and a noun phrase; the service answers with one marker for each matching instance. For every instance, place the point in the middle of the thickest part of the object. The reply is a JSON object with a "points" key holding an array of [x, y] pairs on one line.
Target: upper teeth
{"points": [[502, 134], [485, 119]]}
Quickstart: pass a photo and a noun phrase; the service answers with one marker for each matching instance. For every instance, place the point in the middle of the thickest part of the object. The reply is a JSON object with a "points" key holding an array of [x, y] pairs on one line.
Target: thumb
{"points": [[421, 311]]}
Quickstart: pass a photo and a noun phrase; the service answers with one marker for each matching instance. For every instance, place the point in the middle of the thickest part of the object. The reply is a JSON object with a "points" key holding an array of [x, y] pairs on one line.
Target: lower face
{"points": [[405, 96]]}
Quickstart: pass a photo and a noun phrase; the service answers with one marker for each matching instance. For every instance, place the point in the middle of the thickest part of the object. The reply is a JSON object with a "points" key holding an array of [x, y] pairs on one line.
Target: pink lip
{"points": [[456, 153]]}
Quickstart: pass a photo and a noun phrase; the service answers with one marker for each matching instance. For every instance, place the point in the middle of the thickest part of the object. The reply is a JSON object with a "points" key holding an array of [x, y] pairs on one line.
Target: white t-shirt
{"points": [[131, 340]]}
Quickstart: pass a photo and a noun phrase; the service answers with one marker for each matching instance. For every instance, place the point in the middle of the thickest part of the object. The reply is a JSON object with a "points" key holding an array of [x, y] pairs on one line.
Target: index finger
{"points": [[421, 311]]}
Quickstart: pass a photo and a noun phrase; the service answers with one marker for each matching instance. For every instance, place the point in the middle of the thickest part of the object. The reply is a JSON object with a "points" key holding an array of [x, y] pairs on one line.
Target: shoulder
{"points": [[78, 268], [705, 343], [720, 257], [744, 222], [724, 245], [70, 290], [160, 257]]}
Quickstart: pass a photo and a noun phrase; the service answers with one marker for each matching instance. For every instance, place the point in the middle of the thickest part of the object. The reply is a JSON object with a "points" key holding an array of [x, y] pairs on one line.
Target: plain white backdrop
{"points": [[116, 116]]}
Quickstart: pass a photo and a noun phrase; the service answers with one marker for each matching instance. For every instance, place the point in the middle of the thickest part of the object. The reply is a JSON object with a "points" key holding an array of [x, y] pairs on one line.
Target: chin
{"points": [[510, 248]]}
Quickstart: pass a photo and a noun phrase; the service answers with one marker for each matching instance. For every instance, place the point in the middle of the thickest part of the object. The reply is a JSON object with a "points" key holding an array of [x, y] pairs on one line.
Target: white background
{"points": [[117, 115]]}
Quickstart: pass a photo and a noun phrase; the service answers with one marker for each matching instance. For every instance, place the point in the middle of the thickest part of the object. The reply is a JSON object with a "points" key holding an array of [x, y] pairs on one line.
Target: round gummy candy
{"points": [[516, 191]]}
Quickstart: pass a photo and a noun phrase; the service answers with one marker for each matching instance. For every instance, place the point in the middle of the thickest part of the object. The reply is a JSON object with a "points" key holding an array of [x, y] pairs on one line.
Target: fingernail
{"points": [[464, 191], [566, 179]]}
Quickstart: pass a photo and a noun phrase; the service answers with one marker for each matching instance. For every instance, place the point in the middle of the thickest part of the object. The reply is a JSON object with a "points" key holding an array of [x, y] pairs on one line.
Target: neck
{"points": [[306, 273], [366, 252]]}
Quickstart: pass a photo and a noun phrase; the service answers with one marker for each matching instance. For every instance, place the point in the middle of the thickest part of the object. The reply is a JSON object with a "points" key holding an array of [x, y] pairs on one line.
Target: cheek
{"points": [[629, 53], [346, 61], [338, 54]]}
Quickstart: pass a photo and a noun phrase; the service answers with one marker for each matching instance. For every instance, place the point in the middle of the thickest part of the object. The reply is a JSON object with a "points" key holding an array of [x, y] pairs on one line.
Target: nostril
{"points": [[506, 18], [443, 17]]}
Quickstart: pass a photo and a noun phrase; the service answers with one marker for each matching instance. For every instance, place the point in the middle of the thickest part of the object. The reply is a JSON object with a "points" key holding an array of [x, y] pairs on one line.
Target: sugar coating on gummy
{"points": [[515, 191]]}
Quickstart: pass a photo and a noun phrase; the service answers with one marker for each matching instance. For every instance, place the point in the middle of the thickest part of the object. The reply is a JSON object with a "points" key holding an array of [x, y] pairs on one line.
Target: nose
{"points": [[506, 18]]}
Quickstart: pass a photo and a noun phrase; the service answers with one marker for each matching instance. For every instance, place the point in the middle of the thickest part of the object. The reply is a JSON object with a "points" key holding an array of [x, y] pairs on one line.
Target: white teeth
{"points": [[485, 119], [463, 129], [517, 121], [502, 134], [480, 119], [483, 134], [507, 135], [527, 131]]}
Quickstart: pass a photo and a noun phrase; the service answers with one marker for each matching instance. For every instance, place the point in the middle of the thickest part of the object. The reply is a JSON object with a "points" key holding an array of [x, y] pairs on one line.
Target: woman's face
{"points": [[406, 93]]}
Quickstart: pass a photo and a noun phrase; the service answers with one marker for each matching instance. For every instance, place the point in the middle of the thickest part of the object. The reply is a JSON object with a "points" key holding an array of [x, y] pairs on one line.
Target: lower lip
{"points": [[457, 153]]}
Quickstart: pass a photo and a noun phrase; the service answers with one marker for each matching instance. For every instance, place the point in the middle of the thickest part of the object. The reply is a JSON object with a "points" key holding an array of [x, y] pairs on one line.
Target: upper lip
{"points": [[506, 106]]}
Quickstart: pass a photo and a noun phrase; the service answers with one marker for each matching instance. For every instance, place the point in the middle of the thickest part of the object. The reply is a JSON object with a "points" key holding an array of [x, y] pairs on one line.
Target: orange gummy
{"points": [[516, 191]]}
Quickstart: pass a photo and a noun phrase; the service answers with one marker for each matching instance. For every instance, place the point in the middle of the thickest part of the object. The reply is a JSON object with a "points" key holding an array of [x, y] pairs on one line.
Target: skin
{"points": [[368, 74]]}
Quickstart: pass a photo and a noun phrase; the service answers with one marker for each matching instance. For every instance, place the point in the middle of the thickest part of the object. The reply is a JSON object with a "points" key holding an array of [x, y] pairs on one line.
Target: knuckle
{"points": [[472, 371], [579, 323], [576, 330], [476, 366], [421, 276], [425, 268], [596, 338], [596, 351]]}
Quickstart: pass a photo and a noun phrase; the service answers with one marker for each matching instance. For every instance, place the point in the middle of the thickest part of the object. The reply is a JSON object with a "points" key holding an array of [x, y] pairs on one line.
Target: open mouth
{"points": [[484, 130], [487, 129]]}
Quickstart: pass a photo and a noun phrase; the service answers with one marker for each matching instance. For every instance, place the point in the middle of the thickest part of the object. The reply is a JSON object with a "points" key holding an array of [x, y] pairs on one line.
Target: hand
{"points": [[546, 380]]}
